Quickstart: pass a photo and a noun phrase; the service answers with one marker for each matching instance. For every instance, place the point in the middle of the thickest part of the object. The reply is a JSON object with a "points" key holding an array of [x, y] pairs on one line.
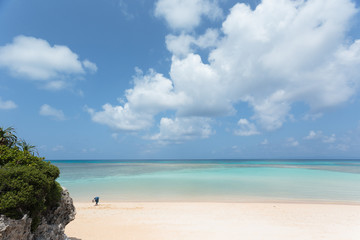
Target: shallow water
{"points": [[213, 180]]}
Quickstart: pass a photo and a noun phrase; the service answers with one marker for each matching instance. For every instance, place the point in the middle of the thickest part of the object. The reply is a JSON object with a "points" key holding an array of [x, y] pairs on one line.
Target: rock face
{"points": [[15, 229], [52, 226]]}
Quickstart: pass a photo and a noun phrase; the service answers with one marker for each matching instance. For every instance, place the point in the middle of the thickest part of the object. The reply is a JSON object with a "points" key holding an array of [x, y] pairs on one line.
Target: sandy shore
{"points": [[210, 221]]}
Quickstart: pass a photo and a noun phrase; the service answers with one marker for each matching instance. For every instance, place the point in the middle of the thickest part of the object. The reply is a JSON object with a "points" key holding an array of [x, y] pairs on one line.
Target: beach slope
{"points": [[212, 221]]}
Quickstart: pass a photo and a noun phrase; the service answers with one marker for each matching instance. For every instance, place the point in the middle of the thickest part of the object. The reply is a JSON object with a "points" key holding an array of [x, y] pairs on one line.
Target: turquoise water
{"points": [[212, 180]]}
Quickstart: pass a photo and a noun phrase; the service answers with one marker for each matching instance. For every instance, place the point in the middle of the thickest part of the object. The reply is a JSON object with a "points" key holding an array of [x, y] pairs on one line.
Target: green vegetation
{"points": [[27, 182]]}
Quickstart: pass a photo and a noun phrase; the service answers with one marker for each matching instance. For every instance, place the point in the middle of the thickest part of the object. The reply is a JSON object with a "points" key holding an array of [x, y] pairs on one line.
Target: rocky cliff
{"points": [[52, 225]]}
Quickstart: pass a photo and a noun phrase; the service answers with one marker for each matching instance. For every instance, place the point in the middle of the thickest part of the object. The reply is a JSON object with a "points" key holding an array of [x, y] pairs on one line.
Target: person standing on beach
{"points": [[96, 200]]}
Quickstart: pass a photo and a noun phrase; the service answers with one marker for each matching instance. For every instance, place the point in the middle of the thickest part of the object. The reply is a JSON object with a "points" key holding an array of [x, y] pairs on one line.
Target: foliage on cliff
{"points": [[27, 182]]}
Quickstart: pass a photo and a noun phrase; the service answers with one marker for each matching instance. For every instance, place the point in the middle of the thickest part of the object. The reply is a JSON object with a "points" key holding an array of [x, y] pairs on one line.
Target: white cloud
{"points": [[203, 87], [90, 66], [280, 53], [246, 128], [35, 59], [319, 135], [124, 10], [287, 51], [179, 129], [121, 117], [47, 110], [184, 44], [272, 111], [186, 14], [208, 39], [55, 85], [265, 142], [314, 135], [151, 94], [292, 142], [7, 104], [329, 139], [179, 45]]}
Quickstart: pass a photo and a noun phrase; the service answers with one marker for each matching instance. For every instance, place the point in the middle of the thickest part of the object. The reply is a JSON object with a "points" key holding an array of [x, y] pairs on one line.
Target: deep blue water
{"points": [[212, 180]]}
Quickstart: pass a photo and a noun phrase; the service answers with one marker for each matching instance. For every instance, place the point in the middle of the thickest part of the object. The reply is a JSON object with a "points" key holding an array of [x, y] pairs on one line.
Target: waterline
{"points": [[213, 180]]}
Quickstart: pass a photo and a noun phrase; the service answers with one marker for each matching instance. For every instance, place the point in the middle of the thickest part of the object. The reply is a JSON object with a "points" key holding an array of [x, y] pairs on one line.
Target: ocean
{"points": [[333, 181]]}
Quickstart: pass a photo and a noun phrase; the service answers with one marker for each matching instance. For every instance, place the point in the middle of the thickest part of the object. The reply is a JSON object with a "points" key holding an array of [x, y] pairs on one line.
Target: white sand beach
{"points": [[214, 221]]}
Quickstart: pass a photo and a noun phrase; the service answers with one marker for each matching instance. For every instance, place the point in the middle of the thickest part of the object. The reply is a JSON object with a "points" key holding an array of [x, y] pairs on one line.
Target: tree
{"points": [[26, 147], [27, 183], [8, 137]]}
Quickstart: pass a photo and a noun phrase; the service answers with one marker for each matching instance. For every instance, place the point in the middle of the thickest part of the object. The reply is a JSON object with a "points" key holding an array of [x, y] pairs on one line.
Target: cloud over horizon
{"points": [[270, 57], [180, 129]]}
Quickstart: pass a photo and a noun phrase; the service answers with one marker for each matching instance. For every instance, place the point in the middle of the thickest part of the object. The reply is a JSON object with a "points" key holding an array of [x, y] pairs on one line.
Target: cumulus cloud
{"points": [[287, 51], [246, 128], [35, 59], [179, 129], [47, 110], [313, 135], [7, 104], [89, 65], [151, 94], [280, 53], [179, 45], [121, 117], [186, 14], [202, 85], [272, 111], [183, 44]]}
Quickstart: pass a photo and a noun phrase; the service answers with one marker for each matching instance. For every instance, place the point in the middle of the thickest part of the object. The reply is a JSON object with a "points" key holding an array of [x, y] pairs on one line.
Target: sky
{"points": [[182, 79]]}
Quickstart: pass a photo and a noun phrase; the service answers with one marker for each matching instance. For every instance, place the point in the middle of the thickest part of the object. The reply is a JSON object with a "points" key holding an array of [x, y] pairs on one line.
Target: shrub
{"points": [[27, 185]]}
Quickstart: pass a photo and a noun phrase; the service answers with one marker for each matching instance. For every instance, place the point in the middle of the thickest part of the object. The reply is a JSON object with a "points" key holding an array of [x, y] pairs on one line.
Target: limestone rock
{"points": [[52, 225], [11, 229]]}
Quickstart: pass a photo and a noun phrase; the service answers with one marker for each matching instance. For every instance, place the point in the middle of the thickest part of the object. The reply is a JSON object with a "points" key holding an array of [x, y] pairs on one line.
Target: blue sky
{"points": [[121, 79]]}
